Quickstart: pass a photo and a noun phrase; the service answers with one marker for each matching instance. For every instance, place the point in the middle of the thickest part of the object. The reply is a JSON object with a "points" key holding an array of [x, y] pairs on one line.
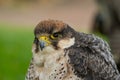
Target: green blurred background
{"points": [[18, 19], [15, 51]]}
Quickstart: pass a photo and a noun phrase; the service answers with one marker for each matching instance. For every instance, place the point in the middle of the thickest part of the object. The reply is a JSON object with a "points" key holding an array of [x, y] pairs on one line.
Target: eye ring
{"points": [[55, 35]]}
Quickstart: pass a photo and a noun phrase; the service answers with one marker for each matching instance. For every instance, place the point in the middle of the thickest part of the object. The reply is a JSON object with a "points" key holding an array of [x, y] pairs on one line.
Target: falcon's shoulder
{"points": [[91, 58]]}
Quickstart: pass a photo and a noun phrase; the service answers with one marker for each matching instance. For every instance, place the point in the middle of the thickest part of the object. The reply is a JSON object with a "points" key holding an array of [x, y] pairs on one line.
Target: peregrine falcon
{"points": [[61, 53]]}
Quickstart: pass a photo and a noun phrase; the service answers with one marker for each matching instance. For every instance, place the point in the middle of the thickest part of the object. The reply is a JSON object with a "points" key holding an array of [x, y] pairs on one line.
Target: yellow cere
{"points": [[45, 39]]}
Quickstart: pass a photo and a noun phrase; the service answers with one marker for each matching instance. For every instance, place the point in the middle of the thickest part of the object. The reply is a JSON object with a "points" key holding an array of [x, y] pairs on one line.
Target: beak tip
{"points": [[41, 49]]}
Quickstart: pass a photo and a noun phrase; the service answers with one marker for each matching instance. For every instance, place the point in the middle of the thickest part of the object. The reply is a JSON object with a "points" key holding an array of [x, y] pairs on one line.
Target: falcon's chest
{"points": [[53, 65]]}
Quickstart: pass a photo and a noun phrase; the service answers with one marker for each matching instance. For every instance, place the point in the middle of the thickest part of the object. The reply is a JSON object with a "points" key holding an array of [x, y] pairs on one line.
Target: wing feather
{"points": [[91, 58]]}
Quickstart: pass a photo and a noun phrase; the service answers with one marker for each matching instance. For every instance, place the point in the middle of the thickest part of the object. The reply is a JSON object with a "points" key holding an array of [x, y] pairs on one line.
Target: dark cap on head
{"points": [[48, 26]]}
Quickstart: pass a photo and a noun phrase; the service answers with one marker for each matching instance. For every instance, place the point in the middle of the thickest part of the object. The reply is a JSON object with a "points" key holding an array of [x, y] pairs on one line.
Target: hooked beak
{"points": [[43, 42]]}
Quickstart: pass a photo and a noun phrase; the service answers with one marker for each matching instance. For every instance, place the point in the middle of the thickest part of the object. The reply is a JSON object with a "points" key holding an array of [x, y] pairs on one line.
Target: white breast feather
{"points": [[49, 60]]}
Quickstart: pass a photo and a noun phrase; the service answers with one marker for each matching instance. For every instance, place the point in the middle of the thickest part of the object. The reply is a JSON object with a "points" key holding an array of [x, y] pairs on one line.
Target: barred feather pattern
{"points": [[91, 58]]}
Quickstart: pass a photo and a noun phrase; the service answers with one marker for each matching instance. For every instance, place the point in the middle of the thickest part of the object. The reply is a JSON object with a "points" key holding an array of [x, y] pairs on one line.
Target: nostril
{"points": [[45, 38]]}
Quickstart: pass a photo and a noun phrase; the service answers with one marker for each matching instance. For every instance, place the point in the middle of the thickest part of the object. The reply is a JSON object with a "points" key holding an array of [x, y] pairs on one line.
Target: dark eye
{"points": [[55, 35]]}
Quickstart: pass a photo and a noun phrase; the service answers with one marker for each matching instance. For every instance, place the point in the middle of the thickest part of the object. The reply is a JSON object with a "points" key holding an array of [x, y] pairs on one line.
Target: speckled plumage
{"points": [[74, 56]]}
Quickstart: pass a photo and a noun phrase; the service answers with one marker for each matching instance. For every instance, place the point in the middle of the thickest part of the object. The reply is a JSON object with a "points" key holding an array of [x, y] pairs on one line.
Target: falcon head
{"points": [[53, 34]]}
